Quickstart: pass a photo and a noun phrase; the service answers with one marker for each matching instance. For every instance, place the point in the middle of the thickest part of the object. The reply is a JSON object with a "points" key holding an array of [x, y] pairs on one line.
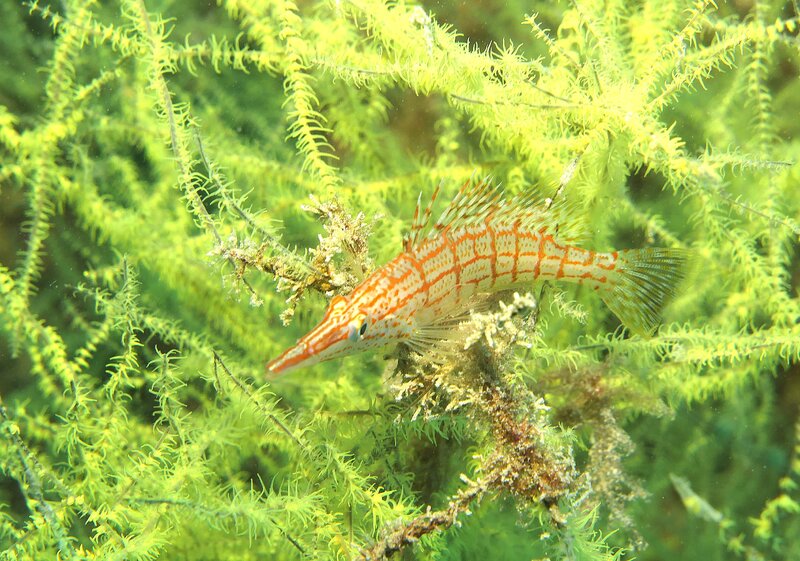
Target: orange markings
{"points": [[560, 272], [540, 254], [432, 254], [456, 264], [492, 245], [292, 361], [475, 228], [515, 264], [417, 267], [474, 259], [440, 276], [589, 260], [547, 250], [613, 264]]}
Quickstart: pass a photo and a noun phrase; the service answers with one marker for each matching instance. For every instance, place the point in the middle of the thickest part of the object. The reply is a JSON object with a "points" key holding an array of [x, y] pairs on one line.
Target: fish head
{"points": [[347, 328]]}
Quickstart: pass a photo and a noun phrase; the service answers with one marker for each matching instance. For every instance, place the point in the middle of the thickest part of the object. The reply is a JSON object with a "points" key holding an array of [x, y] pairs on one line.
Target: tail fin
{"points": [[643, 281]]}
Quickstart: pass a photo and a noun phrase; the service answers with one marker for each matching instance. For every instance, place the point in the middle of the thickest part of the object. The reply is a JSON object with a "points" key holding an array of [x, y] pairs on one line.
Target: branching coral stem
{"points": [[427, 523], [34, 492], [178, 149], [218, 513], [280, 424], [466, 99], [231, 202]]}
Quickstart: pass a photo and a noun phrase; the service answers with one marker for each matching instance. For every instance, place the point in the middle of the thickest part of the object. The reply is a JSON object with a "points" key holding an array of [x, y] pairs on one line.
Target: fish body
{"points": [[482, 244]]}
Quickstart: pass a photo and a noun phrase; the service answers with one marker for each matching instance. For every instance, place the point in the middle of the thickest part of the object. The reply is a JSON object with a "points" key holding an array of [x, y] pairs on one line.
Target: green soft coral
{"points": [[183, 186]]}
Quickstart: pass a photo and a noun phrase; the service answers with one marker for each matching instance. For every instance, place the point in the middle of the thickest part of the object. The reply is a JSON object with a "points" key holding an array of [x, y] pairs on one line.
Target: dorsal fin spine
{"points": [[477, 200]]}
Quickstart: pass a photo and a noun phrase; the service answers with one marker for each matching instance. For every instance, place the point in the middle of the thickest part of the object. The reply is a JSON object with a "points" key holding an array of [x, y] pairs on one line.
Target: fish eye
{"points": [[356, 330]]}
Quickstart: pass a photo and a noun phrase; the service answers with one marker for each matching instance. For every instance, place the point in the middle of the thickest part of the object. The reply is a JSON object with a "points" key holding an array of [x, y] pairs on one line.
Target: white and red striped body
{"points": [[493, 248], [443, 275]]}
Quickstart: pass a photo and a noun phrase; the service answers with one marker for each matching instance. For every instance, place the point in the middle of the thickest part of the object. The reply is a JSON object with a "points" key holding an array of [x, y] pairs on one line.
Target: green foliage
{"points": [[182, 185]]}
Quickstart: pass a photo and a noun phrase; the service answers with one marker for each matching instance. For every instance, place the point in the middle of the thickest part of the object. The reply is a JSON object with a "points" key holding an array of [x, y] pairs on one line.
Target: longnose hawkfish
{"points": [[482, 243]]}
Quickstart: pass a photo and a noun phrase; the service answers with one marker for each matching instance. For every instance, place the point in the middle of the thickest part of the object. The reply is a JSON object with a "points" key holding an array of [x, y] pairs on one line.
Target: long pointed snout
{"points": [[328, 339], [321, 343], [291, 358]]}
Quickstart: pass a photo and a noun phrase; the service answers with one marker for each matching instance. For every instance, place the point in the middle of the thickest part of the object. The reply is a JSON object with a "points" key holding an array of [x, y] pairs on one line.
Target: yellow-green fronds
{"points": [[179, 179]]}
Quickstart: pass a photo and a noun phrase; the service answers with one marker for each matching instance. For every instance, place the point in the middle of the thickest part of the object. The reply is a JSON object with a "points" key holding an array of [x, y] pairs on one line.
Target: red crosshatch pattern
{"points": [[482, 244]]}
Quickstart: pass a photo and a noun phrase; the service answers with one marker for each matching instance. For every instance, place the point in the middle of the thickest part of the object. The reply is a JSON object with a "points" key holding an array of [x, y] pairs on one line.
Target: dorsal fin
{"points": [[482, 200], [472, 204], [420, 222]]}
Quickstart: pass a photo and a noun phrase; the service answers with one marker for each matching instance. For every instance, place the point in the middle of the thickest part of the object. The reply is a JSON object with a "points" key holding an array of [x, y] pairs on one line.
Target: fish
{"points": [[483, 242]]}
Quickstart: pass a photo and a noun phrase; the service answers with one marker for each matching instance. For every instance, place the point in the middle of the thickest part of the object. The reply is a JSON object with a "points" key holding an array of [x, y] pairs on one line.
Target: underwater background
{"points": [[184, 184]]}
